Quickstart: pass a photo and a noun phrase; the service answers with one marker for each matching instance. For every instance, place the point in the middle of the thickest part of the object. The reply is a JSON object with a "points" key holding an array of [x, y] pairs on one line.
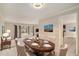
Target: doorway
{"points": [[69, 35]]}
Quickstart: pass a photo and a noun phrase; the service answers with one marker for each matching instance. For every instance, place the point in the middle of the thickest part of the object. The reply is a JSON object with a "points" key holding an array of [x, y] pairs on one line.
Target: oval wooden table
{"points": [[39, 49]]}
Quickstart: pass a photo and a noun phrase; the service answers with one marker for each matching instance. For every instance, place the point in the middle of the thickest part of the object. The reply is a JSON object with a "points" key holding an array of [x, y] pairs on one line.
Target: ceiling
{"points": [[24, 12]]}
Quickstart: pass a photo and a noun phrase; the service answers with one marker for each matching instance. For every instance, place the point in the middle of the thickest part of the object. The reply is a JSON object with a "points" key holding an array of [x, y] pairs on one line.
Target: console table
{"points": [[5, 42]]}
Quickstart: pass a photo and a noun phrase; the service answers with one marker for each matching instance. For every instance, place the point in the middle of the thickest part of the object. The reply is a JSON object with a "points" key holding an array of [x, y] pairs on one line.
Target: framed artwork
{"points": [[48, 28], [71, 27]]}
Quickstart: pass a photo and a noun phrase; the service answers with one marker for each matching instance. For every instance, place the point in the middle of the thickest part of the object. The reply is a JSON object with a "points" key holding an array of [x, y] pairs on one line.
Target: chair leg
{"points": [[53, 53], [9, 46], [1, 47]]}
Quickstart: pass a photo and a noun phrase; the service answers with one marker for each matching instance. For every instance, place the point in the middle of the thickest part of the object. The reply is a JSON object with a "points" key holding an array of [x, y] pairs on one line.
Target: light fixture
{"points": [[8, 31], [5, 35], [38, 5]]}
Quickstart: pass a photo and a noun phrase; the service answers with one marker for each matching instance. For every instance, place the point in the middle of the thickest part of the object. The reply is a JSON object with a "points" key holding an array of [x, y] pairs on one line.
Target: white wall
{"points": [[57, 35], [77, 41], [10, 26], [1, 24], [51, 36], [21, 20], [69, 20]]}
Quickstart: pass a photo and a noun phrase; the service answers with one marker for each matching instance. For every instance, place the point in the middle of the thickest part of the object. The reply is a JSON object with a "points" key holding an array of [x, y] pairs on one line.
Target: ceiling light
{"points": [[38, 5]]}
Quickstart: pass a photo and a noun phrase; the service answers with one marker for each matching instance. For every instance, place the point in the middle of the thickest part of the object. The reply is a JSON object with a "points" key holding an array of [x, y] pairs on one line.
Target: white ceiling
{"points": [[24, 12]]}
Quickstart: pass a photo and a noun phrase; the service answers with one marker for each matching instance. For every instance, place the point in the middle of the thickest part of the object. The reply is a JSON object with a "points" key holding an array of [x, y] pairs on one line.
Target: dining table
{"points": [[39, 46]]}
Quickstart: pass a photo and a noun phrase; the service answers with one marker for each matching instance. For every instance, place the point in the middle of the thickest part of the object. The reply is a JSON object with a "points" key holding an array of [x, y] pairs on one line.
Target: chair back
{"points": [[63, 50], [20, 49]]}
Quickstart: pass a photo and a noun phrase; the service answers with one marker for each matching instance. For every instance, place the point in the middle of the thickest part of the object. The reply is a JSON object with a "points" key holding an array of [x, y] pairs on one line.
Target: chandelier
{"points": [[38, 5]]}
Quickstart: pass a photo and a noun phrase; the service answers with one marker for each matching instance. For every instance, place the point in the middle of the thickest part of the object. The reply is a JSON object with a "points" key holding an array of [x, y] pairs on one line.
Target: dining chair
{"points": [[63, 50], [51, 53], [22, 50]]}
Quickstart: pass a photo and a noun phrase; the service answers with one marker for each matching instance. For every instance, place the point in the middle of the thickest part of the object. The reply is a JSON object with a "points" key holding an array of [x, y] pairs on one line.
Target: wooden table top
{"points": [[40, 47]]}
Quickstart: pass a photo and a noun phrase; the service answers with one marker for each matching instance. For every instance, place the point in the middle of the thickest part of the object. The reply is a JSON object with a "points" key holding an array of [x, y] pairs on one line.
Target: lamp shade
{"points": [[8, 31], [5, 35]]}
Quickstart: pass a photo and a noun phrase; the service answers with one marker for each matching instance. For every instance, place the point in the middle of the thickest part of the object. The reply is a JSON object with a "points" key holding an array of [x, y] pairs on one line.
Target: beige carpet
{"points": [[11, 51], [71, 46]]}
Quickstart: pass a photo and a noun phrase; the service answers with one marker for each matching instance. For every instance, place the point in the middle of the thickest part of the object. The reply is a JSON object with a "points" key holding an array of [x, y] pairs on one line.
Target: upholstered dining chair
{"points": [[21, 49], [52, 53], [63, 50]]}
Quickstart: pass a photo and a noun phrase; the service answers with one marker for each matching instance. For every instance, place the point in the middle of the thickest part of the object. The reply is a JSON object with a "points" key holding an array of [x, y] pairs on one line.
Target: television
{"points": [[48, 28]]}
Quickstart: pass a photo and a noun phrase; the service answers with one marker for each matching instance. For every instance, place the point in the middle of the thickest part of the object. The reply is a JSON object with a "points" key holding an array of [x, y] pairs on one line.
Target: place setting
{"points": [[34, 44], [47, 45], [45, 41]]}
